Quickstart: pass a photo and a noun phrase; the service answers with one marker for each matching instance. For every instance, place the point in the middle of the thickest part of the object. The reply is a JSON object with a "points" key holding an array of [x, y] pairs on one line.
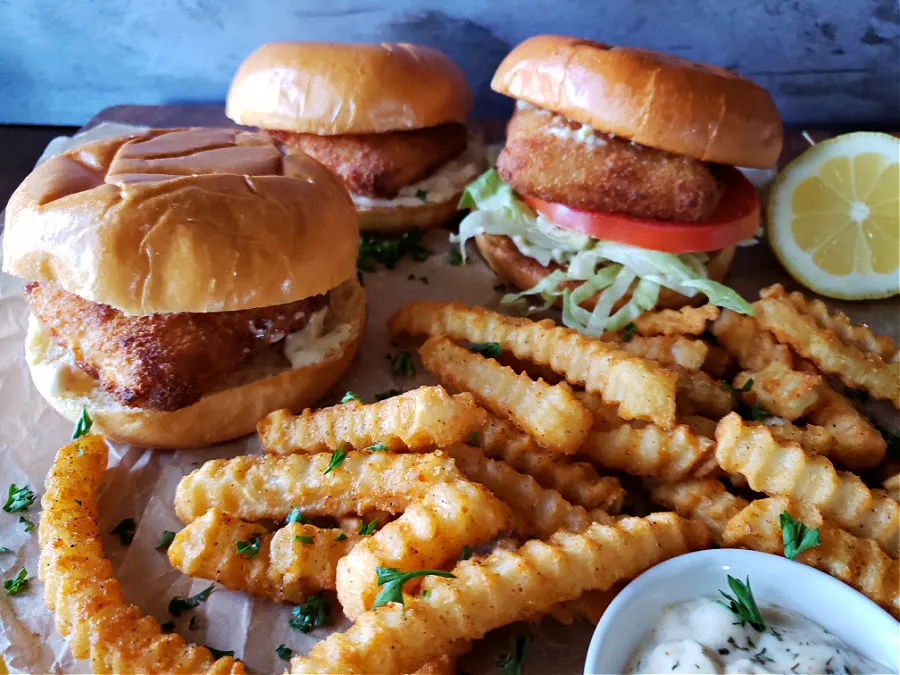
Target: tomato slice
{"points": [[735, 218]]}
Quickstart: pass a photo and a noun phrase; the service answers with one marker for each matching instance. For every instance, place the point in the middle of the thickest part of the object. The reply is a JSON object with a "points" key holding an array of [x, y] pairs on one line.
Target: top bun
{"points": [[329, 88], [654, 99], [182, 220]]}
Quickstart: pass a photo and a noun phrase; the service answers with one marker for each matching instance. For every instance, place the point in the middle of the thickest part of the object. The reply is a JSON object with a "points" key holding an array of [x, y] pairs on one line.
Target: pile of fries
{"points": [[497, 496]]}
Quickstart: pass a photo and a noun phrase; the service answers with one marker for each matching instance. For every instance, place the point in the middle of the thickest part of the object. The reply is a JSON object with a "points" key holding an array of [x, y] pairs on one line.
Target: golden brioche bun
{"points": [[184, 220], [267, 384], [330, 88], [654, 99], [523, 272]]}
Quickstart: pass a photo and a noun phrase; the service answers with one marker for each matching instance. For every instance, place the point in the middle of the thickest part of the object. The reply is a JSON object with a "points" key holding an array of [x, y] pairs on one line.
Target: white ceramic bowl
{"points": [[855, 619]]}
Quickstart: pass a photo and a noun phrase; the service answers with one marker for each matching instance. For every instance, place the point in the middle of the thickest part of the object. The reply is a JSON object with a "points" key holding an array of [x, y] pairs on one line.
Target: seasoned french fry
{"points": [[856, 368], [892, 486], [536, 511], [641, 388], [785, 469], [283, 568], [699, 394], [578, 482], [445, 664], [606, 416], [685, 321], [815, 439], [781, 391], [705, 500], [589, 606], [669, 350], [701, 426], [857, 562], [504, 587], [549, 413], [856, 444], [753, 347], [429, 534], [420, 419], [859, 336], [80, 588], [258, 487], [670, 454]]}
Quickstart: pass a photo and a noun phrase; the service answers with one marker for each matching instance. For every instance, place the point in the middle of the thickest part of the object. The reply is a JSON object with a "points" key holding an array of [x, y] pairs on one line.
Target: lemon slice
{"points": [[833, 217]]}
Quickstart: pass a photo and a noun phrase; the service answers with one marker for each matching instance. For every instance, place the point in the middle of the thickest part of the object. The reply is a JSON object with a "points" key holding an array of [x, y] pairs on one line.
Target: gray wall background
{"points": [[61, 61]]}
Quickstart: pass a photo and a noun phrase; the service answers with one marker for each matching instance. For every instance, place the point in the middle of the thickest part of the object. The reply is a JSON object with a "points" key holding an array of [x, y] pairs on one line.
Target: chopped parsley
{"points": [[376, 447], [351, 396], [391, 581], [387, 252], [303, 538], [512, 663], [367, 529], [466, 552], [29, 526], [422, 195], [17, 584], [629, 332], [18, 498], [489, 349], [82, 425], [422, 279], [177, 605], [402, 364], [756, 412], [473, 439], [311, 614], [340, 537], [248, 548], [744, 388], [761, 658], [125, 530], [337, 458], [795, 536], [455, 257], [390, 393], [165, 540], [742, 603], [294, 516], [4, 550], [284, 653], [194, 623]]}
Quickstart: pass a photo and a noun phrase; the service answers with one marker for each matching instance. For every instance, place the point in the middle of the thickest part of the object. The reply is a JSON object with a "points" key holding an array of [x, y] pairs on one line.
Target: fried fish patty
{"points": [[603, 173], [378, 165], [161, 361]]}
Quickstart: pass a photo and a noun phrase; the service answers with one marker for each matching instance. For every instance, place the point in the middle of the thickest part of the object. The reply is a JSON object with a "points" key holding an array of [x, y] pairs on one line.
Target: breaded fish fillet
{"points": [[603, 172], [378, 165], [161, 361]]}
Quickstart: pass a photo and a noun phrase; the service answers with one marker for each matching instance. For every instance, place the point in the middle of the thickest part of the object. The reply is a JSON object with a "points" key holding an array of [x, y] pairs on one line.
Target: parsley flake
{"points": [[194, 623], [284, 653], [82, 425], [757, 412], [629, 332], [311, 614], [17, 584], [29, 526], [4, 550], [387, 252], [337, 458], [391, 581], [489, 349], [402, 364], [795, 536], [742, 604], [248, 548], [422, 195], [376, 447], [125, 530], [303, 538], [512, 663], [177, 605], [466, 552], [340, 537], [455, 257], [165, 540], [473, 439], [294, 516], [18, 498], [367, 529], [351, 396]]}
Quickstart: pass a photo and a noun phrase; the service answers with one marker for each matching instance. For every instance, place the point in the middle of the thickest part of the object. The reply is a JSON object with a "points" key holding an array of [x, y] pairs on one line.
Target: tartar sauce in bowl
{"points": [[704, 636]]}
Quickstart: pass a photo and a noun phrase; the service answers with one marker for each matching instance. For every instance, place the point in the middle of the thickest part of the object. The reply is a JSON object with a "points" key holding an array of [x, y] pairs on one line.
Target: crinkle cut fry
{"points": [[420, 419], [685, 321], [669, 350], [856, 444], [706, 500], [284, 569], [578, 482], [504, 587], [549, 413], [429, 534], [670, 454], [259, 487], [837, 322], [781, 391], [752, 346], [699, 394], [813, 438], [855, 368], [857, 562], [606, 416], [536, 511], [642, 389], [80, 588], [785, 469]]}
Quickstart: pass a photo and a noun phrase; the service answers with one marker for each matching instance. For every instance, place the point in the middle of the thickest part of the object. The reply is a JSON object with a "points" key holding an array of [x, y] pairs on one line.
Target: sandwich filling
{"points": [[595, 174]]}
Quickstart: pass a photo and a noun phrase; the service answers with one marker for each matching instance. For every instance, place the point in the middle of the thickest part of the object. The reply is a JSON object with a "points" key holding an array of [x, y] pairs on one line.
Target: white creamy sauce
{"points": [[585, 135], [702, 636], [440, 186], [311, 344]]}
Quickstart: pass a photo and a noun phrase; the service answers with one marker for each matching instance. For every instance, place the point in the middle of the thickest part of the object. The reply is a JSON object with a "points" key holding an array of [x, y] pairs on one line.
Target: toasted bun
{"points": [[654, 99], [331, 88], [269, 383], [185, 220], [394, 219], [523, 272]]}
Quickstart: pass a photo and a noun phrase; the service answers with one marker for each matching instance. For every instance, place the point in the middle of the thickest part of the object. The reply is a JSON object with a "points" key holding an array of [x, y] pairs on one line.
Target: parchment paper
{"points": [[141, 484]]}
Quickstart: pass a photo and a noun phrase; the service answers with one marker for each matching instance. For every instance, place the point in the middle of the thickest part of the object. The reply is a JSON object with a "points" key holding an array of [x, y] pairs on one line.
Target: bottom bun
{"points": [[523, 272], [265, 384], [401, 218]]}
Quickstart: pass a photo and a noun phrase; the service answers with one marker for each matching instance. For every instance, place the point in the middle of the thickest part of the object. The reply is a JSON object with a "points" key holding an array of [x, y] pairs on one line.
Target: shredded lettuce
{"points": [[605, 267]]}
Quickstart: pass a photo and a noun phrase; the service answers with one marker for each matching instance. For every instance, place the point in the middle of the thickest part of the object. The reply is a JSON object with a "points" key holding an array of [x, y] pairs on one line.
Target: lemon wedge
{"points": [[833, 217]]}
